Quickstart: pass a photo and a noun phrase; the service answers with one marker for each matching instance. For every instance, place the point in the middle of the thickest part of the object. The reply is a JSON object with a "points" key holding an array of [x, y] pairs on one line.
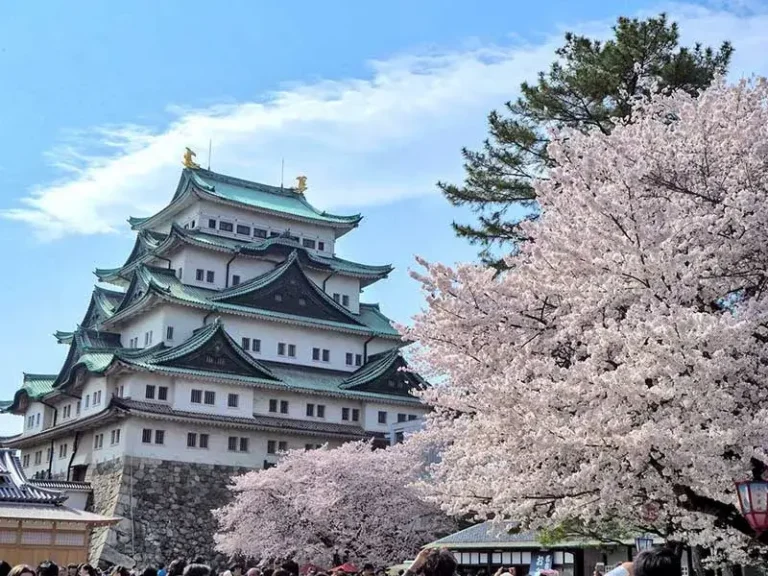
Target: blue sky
{"points": [[372, 101]]}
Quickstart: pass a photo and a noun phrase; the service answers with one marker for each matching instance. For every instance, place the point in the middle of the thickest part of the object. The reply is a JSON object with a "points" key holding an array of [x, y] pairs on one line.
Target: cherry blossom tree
{"points": [[348, 499], [619, 371]]}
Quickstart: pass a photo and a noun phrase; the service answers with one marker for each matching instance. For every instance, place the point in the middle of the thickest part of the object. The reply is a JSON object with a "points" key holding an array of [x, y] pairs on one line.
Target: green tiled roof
{"points": [[156, 244], [94, 350], [35, 386], [377, 365], [163, 283], [284, 202]]}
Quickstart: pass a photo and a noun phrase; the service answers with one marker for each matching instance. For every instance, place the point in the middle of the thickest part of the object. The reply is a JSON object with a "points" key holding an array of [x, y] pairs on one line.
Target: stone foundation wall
{"points": [[165, 508]]}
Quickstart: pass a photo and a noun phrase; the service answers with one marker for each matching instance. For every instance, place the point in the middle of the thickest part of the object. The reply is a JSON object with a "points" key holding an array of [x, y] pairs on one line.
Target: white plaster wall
{"points": [[371, 415], [135, 386], [137, 326], [94, 384], [297, 406], [33, 410], [182, 398], [61, 465], [344, 285], [185, 321], [378, 345], [265, 222], [32, 469], [271, 333]]}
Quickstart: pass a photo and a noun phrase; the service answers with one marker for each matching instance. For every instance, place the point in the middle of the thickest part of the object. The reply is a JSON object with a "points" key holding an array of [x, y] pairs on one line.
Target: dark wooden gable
{"points": [[393, 381], [291, 293], [217, 354]]}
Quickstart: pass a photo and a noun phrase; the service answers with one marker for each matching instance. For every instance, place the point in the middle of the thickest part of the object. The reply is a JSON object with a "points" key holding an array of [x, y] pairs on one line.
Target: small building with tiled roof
{"points": [[232, 332], [36, 523]]}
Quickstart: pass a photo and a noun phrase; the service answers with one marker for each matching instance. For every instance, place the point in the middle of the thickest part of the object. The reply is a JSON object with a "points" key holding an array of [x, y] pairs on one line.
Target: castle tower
{"points": [[231, 333]]}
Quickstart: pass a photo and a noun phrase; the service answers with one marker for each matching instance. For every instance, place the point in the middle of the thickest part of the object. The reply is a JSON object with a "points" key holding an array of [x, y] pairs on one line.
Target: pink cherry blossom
{"points": [[350, 498], [622, 362]]}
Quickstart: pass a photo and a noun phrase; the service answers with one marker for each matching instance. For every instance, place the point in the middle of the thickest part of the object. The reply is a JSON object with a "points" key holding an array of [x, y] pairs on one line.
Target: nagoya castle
{"points": [[231, 333]]}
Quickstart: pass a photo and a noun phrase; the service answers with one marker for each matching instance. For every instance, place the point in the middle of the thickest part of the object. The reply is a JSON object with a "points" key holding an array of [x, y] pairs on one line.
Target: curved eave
{"points": [[64, 337], [107, 415]]}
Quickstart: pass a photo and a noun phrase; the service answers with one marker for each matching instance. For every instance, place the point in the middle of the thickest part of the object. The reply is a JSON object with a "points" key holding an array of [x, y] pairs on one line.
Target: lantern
{"points": [[644, 542], [753, 501]]}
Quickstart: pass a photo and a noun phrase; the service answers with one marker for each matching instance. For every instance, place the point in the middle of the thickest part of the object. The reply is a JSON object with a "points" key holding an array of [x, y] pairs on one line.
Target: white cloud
{"points": [[360, 141]]}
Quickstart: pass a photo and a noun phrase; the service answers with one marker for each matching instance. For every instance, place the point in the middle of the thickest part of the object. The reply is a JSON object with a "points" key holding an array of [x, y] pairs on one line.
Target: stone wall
{"points": [[165, 508]]}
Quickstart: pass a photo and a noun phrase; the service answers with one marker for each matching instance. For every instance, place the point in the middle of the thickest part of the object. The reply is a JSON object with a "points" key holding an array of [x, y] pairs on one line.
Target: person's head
{"points": [[253, 572], [368, 569], [5, 568], [291, 567], [236, 568], [176, 568], [149, 571], [657, 562], [47, 568], [281, 572], [22, 570], [440, 562], [197, 570], [199, 560], [86, 570]]}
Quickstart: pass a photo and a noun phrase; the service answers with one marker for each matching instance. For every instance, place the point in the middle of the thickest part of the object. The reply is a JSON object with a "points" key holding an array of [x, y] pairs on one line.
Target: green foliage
{"points": [[589, 84], [607, 532]]}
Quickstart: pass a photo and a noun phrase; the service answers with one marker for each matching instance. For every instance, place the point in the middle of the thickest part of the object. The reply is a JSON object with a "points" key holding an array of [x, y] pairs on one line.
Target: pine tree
{"points": [[590, 83]]}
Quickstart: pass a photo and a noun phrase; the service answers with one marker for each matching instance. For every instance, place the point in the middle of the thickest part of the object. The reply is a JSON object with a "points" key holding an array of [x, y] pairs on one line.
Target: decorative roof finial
{"points": [[188, 162], [301, 184]]}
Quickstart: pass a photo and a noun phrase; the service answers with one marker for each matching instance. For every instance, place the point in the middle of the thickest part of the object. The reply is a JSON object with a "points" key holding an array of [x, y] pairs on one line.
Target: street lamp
{"points": [[644, 542], [753, 501]]}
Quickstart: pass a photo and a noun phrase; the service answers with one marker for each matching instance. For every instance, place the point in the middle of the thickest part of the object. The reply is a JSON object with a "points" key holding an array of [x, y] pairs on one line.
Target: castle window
{"points": [[235, 279], [209, 276], [355, 415], [321, 410], [256, 345], [226, 226], [336, 297], [25, 461], [233, 400], [326, 355], [203, 440], [63, 450], [246, 343], [315, 353], [211, 223], [259, 233], [358, 359], [146, 436], [382, 417], [243, 229], [281, 348], [273, 405], [345, 413], [191, 440], [196, 397], [37, 419], [402, 417], [181, 273], [243, 444], [274, 234], [193, 224], [199, 274], [345, 300], [350, 356], [232, 444], [282, 446], [283, 406], [87, 400], [169, 333], [38, 457], [292, 350], [162, 393], [150, 392], [210, 397], [307, 243], [310, 409], [271, 446], [159, 436], [115, 436], [412, 417], [321, 246]]}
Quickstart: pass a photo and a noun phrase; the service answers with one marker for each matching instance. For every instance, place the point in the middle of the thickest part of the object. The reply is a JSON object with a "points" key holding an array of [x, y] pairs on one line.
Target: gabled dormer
{"points": [[385, 373], [287, 290]]}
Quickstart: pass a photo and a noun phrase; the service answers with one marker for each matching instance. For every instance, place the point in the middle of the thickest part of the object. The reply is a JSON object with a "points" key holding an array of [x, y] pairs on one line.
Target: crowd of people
{"points": [[429, 562]]}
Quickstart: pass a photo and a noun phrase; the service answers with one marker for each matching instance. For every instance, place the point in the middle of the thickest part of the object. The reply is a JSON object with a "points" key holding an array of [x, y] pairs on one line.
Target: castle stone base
{"points": [[165, 508]]}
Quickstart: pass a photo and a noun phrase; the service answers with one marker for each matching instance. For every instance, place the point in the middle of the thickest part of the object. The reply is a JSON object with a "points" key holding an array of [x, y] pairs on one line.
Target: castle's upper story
{"points": [[232, 304]]}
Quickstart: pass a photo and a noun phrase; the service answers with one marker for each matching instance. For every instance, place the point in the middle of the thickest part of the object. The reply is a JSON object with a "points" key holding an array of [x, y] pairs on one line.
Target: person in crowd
{"points": [[119, 571], [176, 568], [252, 572], [161, 571], [433, 562], [199, 560], [5, 568], [47, 568], [22, 570], [657, 562], [368, 570], [72, 569], [197, 570], [86, 570], [149, 571], [291, 567]]}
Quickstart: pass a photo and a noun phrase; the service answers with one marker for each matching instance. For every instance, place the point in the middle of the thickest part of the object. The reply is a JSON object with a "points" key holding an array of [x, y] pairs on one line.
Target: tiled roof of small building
{"points": [[487, 533], [15, 488], [61, 485]]}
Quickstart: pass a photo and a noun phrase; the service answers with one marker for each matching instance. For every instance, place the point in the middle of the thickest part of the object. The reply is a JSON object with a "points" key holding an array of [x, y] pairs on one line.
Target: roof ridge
{"points": [[257, 281], [250, 184]]}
